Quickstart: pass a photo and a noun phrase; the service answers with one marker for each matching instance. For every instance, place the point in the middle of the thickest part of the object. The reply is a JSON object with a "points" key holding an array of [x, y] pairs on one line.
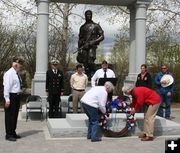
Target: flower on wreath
{"points": [[118, 104]]}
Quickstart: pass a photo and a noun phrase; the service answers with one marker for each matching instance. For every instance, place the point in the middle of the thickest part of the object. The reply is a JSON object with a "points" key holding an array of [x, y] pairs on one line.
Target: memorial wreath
{"points": [[114, 106]]}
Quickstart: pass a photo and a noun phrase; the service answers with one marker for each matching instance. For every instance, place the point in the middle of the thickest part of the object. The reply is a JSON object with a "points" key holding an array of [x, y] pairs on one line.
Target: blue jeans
{"points": [[167, 100], [93, 116]]}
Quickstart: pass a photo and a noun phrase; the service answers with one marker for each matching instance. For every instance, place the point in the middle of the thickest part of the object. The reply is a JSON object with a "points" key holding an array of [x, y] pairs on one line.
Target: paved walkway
{"points": [[35, 139]]}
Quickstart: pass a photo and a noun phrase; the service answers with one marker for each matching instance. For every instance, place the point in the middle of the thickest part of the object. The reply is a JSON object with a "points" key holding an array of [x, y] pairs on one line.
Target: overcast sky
{"points": [[110, 29]]}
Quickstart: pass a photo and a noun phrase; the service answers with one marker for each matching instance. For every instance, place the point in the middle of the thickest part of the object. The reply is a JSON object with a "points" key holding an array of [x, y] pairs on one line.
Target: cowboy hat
{"points": [[168, 79]]}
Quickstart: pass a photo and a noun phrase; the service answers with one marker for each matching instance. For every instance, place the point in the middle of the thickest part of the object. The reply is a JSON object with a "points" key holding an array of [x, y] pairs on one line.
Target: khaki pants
{"points": [[149, 118], [77, 95]]}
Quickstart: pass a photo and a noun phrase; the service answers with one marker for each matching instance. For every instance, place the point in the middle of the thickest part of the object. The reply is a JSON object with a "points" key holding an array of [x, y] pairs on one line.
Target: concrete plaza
{"points": [[36, 139]]}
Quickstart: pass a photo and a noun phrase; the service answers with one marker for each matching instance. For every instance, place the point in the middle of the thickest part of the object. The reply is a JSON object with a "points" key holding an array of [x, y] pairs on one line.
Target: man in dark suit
{"points": [[54, 88]]}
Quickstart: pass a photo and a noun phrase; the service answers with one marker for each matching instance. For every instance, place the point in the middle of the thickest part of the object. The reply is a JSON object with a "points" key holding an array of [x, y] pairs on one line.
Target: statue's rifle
{"points": [[87, 40], [78, 50]]}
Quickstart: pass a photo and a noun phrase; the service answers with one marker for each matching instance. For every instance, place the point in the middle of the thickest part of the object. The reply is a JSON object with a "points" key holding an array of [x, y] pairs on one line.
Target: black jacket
{"points": [[54, 82], [145, 82]]}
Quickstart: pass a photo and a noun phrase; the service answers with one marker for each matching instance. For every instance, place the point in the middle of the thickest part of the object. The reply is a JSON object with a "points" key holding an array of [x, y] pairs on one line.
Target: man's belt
{"points": [[15, 93], [80, 90]]}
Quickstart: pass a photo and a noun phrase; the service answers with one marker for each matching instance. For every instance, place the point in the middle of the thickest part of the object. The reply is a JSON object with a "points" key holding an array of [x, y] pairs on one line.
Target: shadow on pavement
{"points": [[29, 133]]}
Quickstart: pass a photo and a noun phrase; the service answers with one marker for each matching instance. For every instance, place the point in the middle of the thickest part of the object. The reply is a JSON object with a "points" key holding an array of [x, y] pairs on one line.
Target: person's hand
{"points": [[165, 81], [7, 104], [62, 93], [120, 105], [47, 93], [133, 111], [106, 116], [169, 94]]}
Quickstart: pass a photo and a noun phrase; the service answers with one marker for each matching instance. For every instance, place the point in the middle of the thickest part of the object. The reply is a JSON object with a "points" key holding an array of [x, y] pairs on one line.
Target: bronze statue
{"points": [[90, 35]]}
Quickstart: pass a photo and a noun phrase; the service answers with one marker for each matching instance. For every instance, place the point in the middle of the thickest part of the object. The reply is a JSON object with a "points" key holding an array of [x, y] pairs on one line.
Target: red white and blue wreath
{"points": [[114, 106]]}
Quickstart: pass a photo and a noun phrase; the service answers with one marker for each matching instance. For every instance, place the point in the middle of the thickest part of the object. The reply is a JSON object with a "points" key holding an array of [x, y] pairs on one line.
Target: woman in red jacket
{"points": [[140, 96]]}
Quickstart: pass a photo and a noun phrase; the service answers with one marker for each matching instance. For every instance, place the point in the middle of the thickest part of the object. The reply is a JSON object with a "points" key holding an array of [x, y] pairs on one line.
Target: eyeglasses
{"points": [[163, 68]]}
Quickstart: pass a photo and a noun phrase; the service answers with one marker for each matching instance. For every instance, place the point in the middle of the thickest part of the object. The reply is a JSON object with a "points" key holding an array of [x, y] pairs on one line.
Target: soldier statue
{"points": [[90, 35]]}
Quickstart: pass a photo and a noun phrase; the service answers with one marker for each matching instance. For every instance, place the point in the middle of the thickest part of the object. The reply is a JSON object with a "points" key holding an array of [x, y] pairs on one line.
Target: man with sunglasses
{"points": [[165, 92]]}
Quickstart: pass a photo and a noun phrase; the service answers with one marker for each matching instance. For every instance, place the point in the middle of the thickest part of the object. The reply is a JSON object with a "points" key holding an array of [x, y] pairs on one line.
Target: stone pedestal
{"points": [[75, 125]]}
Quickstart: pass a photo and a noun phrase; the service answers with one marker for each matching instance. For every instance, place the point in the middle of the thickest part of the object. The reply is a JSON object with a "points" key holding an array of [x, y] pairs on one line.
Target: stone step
{"points": [[81, 119], [75, 125], [61, 128], [77, 120]]}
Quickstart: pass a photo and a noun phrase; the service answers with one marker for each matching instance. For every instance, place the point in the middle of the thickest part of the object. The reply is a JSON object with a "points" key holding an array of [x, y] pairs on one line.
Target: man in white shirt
{"points": [[78, 82], [94, 101], [12, 87], [104, 72]]}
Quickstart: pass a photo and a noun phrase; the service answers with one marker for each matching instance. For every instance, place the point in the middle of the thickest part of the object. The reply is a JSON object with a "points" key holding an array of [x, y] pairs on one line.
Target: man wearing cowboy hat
{"points": [[54, 88], [164, 80]]}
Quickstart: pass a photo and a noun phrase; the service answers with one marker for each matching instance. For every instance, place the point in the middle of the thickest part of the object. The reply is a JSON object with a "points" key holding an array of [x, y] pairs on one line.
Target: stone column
{"points": [[137, 52], [132, 52], [38, 83], [140, 35]]}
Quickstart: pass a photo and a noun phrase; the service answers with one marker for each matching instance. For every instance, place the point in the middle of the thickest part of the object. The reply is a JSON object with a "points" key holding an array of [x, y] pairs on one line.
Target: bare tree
{"points": [[7, 49], [59, 21], [119, 60], [27, 47]]}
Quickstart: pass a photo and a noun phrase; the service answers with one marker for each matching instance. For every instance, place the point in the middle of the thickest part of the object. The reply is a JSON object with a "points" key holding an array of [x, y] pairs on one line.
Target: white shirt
{"points": [[96, 97], [11, 83], [55, 71], [100, 74]]}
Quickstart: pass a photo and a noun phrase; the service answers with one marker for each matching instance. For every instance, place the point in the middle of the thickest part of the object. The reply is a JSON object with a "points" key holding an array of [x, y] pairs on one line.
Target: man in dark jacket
{"points": [[54, 88]]}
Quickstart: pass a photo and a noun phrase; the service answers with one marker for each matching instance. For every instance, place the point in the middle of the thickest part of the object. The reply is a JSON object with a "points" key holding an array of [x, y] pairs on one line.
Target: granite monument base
{"points": [[75, 125]]}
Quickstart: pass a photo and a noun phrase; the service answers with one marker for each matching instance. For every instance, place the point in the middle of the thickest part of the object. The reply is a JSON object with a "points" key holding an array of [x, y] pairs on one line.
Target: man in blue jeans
{"points": [[164, 92], [93, 101]]}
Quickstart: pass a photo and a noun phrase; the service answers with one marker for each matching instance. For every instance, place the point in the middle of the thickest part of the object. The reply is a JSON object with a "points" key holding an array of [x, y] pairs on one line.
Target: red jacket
{"points": [[143, 95]]}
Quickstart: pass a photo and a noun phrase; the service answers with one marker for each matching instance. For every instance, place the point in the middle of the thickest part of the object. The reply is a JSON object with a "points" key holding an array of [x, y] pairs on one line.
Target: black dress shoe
{"points": [[96, 140], [10, 138], [17, 136], [168, 118]]}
